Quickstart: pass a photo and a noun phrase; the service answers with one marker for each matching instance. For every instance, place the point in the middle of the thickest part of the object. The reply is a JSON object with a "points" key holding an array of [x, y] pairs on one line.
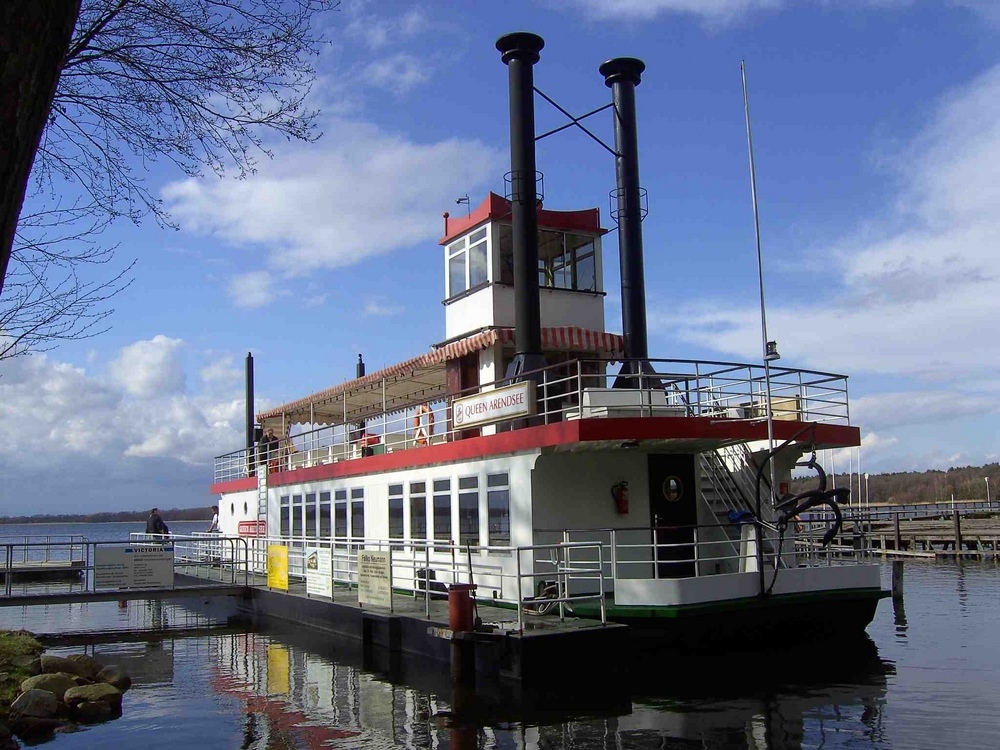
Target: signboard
{"points": [[252, 528], [139, 566], [277, 567], [516, 400], [375, 578], [319, 572]]}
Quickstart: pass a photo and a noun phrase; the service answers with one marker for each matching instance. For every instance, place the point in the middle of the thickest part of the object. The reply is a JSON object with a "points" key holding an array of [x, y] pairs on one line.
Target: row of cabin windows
{"points": [[300, 516], [565, 261]]}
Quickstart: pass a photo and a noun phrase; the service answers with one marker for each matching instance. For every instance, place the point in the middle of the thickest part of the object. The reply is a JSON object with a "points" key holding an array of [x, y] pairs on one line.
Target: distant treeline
{"points": [[905, 487], [121, 516]]}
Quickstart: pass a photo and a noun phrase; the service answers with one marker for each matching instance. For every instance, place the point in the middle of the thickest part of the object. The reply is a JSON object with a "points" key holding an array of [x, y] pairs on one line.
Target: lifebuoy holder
{"points": [[423, 430]]}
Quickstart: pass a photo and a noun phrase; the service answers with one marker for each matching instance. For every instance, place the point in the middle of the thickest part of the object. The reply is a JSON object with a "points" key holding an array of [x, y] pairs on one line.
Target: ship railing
{"points": [[46, 548], [81, 566], [577, 389], [425, 568], [697, 551]]}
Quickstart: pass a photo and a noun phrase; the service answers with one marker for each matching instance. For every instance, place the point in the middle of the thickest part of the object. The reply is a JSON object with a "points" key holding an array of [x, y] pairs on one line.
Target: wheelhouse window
{"points": [[396, 512], [418, 510], [498, 509], [565, 260], [468, 511], [467, 263], [442, 510]]}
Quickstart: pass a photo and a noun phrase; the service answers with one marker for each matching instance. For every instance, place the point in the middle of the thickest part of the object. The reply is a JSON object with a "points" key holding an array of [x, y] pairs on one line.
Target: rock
{"points": [[33, 726], [65, 729], [88, 667], [99, 691], [116, 676], [7, 741], [56, 683], [28, 663], [60, 664], [35, 703], [92, 711]]}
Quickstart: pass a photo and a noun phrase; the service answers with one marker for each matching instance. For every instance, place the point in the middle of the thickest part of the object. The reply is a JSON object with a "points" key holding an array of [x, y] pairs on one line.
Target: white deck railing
{"points": [[581, 389]]}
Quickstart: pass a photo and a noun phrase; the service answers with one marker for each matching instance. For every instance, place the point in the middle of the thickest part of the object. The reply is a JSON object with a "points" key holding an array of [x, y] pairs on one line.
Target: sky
{"points": [[876, 128]]}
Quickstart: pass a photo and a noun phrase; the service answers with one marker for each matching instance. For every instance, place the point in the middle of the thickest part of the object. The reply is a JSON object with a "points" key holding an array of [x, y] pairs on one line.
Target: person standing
{"points": [[215, 520], [154, 524]]}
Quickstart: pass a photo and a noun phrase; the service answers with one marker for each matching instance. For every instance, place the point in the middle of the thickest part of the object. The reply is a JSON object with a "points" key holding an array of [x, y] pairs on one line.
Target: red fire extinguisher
{"points": [[620, 494]]}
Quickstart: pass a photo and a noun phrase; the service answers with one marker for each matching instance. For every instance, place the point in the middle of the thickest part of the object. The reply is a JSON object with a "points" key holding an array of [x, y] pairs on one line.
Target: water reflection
{"points": [[899, 618], [300, 691]]}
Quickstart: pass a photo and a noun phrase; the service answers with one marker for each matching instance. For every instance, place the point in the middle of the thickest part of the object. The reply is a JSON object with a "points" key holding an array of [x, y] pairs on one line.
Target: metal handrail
{"points": [[720, 390]]}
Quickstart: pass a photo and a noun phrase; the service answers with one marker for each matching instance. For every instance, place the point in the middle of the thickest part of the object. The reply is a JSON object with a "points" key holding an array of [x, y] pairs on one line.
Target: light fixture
{"points": [[772, 352]]}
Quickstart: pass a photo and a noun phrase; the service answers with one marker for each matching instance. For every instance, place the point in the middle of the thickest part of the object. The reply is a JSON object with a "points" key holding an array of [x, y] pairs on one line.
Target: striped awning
{"points": [[424, 378]]}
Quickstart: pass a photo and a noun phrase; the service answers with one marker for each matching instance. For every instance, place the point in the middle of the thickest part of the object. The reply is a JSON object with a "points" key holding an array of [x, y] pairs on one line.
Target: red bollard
{"points": [[460, 618]]}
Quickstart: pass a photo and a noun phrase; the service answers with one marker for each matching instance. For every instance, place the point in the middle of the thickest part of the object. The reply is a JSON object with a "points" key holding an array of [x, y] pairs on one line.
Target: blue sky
{"points": [[877, 139]]}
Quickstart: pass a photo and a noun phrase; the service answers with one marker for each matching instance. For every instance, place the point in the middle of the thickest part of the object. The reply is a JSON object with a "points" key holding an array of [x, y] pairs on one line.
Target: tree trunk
{"points": [[34, 39]]}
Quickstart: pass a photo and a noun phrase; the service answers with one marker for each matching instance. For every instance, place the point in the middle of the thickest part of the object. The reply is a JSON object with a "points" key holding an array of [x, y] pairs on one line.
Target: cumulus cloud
{"points": [[149, 368], [398, 73], [314, 208]]}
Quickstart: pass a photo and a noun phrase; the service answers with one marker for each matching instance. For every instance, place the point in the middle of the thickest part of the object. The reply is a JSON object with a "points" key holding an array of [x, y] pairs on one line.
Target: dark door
{"points": [[674, 513]]}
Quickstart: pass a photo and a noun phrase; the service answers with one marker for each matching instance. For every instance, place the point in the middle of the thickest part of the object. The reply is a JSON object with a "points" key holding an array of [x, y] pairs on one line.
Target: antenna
{"points": [[770, 348], [468, 207]]}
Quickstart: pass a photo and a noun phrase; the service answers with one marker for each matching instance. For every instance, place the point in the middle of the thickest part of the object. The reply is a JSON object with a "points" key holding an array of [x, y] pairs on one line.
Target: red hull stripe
{"points": [[560, 434]]}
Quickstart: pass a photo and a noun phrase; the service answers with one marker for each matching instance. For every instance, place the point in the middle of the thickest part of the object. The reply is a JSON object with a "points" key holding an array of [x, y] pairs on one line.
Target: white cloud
{"points": [[314, 207], [398, 73], [915, 300], [377, 309], [149, 368], [378, 32], [252, 289], [221, 372]]}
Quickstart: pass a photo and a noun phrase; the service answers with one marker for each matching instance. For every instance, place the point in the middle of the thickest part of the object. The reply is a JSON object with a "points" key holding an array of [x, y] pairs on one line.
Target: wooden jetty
{"points": [[43, 570]]}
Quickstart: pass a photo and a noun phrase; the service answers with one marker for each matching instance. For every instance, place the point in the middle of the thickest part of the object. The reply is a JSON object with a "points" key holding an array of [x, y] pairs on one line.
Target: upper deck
{"points": [[374, 423]]}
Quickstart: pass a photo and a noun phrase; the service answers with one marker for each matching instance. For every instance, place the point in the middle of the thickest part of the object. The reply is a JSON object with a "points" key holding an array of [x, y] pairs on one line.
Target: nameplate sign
{"points": [[252, 528], [491, 406], [146, 566], [374, 578]]}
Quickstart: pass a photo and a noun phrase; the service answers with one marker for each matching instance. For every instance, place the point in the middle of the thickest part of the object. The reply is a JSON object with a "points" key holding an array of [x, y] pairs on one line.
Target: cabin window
{"points": [[340, 514], [442, 511], [358, 513], [565, 260], [468, 511], [296, 516], [418, 510], [467, 263], [396, 513], [310, 510], [498, 508], [324, 515], [284, 520]]}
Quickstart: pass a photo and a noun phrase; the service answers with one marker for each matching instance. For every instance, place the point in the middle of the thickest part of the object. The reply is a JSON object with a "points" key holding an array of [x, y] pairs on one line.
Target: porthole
{"points": [[245, 509], [232, 509], [673, 489]]}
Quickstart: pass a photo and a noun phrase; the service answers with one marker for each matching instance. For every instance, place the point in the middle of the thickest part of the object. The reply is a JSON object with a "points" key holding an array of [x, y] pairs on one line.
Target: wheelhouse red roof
{"points": [[496, 208]]}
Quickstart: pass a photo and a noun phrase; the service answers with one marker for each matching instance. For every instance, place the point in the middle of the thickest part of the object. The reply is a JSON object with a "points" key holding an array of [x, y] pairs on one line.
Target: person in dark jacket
{"points": [[154, 524]]}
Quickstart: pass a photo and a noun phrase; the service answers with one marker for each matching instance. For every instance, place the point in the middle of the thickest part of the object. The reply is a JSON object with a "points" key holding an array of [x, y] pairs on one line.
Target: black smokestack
{"points": [[622, 75], [520, 52], [359, 371], [249, 396]]}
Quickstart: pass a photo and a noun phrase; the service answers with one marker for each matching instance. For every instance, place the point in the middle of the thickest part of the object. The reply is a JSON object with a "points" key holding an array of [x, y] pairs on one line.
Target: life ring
{"points": [[422, 431]]}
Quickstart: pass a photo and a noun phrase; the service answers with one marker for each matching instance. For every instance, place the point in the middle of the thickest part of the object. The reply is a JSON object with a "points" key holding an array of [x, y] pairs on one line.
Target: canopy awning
{"points": [[423, 378]]}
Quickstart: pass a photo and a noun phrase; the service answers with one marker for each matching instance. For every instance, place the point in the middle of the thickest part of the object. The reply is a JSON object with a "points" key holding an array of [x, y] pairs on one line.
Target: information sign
{"points": [[375, 578], [490, 406], [145, 566], [277, 566], [319, 572], [252, 528]]}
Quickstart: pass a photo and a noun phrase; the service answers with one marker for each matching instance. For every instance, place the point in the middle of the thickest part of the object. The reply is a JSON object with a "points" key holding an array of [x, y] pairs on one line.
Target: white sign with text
{"points": [[319, 572], [516, 400], [145, 566], [374, 578]]}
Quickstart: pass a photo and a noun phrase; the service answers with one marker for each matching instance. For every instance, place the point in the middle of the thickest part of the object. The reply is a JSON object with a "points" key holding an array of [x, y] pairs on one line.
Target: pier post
{"points": [[895, 528], [897, 579], [957, 521]]}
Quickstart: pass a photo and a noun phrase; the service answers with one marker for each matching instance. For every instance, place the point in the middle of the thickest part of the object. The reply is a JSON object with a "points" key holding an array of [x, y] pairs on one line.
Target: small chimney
{"points": [[622, 75], [519, 51], [360, 370]]}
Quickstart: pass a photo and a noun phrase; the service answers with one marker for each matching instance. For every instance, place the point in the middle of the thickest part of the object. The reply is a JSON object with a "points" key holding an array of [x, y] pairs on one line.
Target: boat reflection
{"points": [[300, 690]]}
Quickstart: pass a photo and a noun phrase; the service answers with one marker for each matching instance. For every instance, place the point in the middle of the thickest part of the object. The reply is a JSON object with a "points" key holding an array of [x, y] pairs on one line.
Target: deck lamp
{"points": [[772, 352]]}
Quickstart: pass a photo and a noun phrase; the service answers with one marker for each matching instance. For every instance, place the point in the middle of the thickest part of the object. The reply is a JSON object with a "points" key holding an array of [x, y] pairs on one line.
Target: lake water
{"points": [[927, 676]]}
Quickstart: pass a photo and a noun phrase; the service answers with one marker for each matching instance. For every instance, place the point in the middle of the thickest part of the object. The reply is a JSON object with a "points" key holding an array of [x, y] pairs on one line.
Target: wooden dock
{"points": [[43, 570]]}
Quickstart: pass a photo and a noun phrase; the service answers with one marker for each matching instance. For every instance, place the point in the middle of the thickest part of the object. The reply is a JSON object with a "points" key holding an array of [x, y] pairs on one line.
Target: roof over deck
{"points": [[423, 378]]}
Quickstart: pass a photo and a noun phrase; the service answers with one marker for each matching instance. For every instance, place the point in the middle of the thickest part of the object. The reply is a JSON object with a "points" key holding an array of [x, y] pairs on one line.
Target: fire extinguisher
{"points": [[620, 495]]}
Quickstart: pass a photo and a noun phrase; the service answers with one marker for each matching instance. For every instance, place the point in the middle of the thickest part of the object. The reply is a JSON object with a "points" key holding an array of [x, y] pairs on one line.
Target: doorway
{"points": [[673, 513]]}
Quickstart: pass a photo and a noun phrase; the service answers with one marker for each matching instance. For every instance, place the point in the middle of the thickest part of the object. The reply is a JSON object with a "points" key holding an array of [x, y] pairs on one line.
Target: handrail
{"points": [[721, 390]]}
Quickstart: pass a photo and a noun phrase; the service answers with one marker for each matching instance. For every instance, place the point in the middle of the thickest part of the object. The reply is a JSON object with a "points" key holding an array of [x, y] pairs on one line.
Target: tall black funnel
{"points": [[519, 51], [251, 436], [622, 75]]}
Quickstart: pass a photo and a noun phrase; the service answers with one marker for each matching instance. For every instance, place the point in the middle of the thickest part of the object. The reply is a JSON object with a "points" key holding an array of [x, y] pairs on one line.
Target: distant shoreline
{"points": [[90, 523]]}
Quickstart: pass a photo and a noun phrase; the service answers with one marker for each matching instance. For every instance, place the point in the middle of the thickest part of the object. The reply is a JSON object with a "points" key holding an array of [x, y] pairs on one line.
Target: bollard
{"points": [[897, 579], [958, 531], [899, 541], [460, 618]]}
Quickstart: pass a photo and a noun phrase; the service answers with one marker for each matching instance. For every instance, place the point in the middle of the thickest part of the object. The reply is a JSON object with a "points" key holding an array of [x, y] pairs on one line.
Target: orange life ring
{"points": [[422, 432]]}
